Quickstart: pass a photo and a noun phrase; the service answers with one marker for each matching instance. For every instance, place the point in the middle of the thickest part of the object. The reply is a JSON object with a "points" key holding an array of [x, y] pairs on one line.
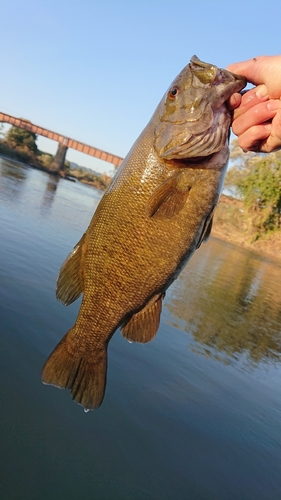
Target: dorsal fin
{"points": [[207, 228], [70, 282]]}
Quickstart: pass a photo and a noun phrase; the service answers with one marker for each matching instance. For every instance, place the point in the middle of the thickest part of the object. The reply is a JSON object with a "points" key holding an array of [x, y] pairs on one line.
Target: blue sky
{"points": [[96, 70]]}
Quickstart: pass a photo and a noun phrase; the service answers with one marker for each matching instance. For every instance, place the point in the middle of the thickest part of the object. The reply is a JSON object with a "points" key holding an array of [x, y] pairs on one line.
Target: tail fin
{"points": [[83, 372]]}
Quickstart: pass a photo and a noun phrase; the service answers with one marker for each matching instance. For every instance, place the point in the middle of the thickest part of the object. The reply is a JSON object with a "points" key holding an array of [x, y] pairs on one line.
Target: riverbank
{"points": [[233, 224]]}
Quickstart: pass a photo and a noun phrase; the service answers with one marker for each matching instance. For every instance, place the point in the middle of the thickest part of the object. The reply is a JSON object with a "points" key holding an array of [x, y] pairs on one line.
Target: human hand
{"points": [[257, 114]]}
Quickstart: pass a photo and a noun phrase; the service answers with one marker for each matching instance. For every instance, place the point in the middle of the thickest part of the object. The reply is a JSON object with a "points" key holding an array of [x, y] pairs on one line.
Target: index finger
{"points": [[261, 69], [251, 98], [247, 68]]}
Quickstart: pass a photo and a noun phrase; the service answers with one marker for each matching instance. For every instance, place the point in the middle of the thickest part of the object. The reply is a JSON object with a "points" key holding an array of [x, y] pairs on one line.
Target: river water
{"points": [[195, 414]]}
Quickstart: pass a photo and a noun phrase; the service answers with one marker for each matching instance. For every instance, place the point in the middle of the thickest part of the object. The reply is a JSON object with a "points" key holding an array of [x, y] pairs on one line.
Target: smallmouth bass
{"points": [[156, 212]]}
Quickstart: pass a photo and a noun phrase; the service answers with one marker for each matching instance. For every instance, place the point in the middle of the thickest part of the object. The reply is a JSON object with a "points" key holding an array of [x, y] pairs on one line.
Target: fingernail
{"points": [[273, 105], [267, 126], [261, 91]]}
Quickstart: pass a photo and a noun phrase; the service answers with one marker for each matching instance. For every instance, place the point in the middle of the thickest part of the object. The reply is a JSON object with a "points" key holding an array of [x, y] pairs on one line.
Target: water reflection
{"points": [[12, 179], [13, 170], [231, 304], [49, 194]]}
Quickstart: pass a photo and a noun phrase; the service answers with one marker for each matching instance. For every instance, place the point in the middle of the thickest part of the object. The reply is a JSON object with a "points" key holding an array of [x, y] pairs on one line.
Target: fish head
{"points": [[192, 120]]}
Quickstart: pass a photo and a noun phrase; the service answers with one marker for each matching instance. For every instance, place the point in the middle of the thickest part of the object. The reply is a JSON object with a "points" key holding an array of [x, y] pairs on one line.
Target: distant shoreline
{"points": [[224, 227], [99, 183]]}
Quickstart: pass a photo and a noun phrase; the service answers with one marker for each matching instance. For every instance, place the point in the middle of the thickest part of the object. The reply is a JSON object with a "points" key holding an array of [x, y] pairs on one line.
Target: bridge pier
{"points": [[57, 164]]}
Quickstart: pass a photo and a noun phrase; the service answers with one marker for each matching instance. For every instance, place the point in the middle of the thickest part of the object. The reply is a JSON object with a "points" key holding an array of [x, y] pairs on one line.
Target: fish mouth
{"points": [[234, 83], [227, 83]]}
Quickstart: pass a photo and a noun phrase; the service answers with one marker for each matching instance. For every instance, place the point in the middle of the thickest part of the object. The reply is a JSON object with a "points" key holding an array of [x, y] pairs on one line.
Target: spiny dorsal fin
{"points": [[169, 199], [70, 280], [207, 228], [143, 325]]}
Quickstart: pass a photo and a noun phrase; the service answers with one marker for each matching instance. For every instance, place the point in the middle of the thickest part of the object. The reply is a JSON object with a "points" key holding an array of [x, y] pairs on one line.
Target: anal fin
{"points": [[143, 325]]}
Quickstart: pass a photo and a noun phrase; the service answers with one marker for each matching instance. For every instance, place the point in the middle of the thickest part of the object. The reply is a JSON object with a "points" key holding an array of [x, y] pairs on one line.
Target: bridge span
{"points": [[63, 143]]}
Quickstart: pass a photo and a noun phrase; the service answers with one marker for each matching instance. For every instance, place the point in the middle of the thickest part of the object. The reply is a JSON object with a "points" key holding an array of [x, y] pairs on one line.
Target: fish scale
{"points": [[156, 212]]}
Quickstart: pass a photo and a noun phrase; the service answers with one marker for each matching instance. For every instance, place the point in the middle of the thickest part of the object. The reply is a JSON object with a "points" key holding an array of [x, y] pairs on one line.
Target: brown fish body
{"points": [[156, 212]]}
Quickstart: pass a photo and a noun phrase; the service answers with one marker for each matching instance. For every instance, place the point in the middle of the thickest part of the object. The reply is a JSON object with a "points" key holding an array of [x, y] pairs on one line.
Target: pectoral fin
{"points": [[70, 280], [143, 325], [169, 199]]}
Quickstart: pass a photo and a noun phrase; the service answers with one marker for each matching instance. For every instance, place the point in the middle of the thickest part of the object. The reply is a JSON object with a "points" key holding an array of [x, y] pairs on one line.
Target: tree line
{"points": [[21, 145]]}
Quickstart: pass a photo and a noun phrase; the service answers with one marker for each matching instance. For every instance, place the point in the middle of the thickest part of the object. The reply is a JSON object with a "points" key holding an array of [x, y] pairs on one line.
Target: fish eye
{"points": [[173, 92]]}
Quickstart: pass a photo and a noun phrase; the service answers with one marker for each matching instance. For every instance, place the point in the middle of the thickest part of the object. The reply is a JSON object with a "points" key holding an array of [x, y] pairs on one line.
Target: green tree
{"points": [[257, 180], [22, 139]]}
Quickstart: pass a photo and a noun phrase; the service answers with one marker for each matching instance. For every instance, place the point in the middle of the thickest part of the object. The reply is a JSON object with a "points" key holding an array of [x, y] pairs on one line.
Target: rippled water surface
{"points": [[195, 414]]}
